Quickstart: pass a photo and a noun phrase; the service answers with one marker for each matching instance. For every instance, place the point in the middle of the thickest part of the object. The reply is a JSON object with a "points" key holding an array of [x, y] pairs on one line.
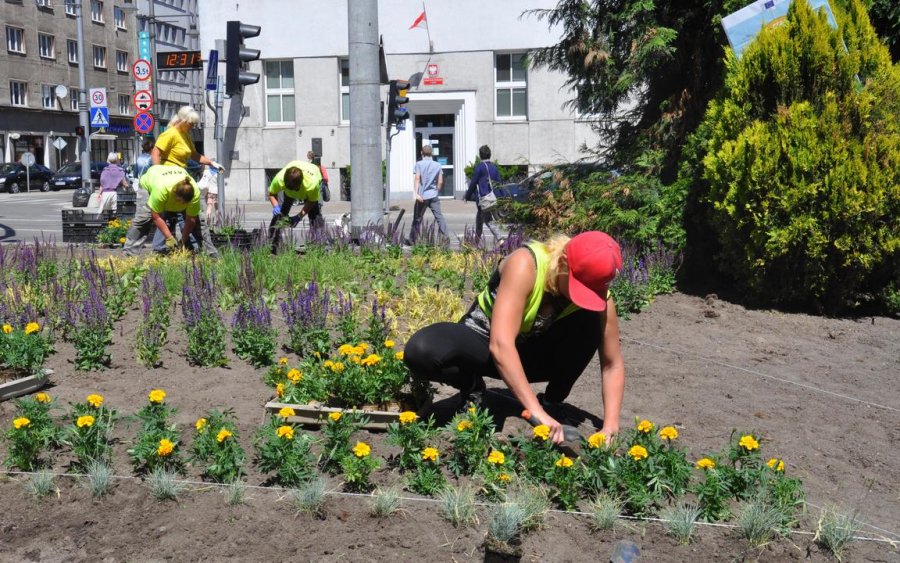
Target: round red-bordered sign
{"points": [[143, 100], [141, 69], [143, 122]]}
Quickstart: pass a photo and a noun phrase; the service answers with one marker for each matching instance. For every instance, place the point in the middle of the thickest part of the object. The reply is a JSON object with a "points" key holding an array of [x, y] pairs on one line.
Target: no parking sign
{"points": [[143, 122]]}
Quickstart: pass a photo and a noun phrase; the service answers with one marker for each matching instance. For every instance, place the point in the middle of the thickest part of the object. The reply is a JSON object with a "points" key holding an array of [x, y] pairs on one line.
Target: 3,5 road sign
{"points": [[143, 122], [143, 100], [141, 69]]}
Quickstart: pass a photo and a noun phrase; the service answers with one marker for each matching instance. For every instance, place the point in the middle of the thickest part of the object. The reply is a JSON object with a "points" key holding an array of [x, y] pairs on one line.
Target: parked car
{"points": [[69, 176], [548, 179], [13, 177]]}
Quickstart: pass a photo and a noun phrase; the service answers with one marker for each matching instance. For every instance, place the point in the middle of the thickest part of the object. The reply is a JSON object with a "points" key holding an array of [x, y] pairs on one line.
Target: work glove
{"points": [[217, 166], [276, 210], [171, 244]]}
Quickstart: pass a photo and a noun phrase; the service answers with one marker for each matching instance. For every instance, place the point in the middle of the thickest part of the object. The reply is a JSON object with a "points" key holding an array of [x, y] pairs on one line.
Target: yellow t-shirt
{"points": [[175, 147], [309, 190], [160, 181]]}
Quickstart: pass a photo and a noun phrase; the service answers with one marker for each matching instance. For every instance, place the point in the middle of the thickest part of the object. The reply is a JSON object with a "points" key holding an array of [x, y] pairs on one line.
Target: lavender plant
{"points": [[347, 321], [152, 332], [306, 314], [378, 330], [251, 327], [203, 323], [91, 332]]}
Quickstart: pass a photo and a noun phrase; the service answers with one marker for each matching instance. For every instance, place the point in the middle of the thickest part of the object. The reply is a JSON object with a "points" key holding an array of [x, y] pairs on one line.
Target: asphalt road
{"points": [[25, 216]]}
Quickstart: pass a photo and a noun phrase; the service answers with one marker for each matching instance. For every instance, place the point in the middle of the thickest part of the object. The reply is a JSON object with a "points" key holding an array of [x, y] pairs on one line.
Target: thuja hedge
{"points": [[801, 164]]}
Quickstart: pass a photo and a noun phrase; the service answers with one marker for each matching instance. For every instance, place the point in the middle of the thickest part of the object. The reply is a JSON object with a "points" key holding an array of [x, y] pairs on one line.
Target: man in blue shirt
{"points": [[426, 187]]}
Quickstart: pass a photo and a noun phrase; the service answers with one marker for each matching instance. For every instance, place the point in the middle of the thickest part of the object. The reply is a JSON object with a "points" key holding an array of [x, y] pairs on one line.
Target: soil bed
{"points": [[822, 394]]}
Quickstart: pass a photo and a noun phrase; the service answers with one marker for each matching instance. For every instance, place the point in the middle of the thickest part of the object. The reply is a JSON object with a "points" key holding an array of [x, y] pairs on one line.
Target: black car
{"points": [[69, 176], [13, 177]]}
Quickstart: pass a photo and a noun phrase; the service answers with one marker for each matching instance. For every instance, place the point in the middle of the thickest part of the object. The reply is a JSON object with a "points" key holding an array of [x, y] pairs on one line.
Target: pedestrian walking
{"points": [[484, 177], [111, 179], [298, 181], [427, 184]]}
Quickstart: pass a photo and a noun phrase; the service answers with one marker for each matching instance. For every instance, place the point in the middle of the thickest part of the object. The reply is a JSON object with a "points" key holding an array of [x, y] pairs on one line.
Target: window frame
{"points": [[10, 31], [73, 98], [119, 18], [52, 41], [48, 96], [124, 102], [123, 68], [72, 51], [94, 51], [97, 16], [71, 9], [281, 92], [344, 89], [23, 93], [511, 86]]}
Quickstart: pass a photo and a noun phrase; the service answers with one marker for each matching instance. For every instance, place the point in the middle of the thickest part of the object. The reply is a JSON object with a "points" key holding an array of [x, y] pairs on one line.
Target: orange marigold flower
{"points": [[668, 433], [165, 447], [638, 452]]}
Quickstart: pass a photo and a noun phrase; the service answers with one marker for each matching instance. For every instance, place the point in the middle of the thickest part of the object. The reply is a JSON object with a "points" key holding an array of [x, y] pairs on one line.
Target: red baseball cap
{"points": [[594, 260]]}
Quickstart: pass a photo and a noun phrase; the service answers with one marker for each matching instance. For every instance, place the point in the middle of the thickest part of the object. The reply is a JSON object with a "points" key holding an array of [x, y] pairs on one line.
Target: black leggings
{"points": [[456, 355], [315, 219]]}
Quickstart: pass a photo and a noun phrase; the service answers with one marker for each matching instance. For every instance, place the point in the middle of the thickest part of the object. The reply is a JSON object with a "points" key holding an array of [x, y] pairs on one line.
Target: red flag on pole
{"points": [[419, 21]]}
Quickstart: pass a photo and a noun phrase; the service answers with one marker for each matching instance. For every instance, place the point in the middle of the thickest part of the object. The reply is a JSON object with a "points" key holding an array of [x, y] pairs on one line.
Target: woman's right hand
{"points": [[557, 436]]}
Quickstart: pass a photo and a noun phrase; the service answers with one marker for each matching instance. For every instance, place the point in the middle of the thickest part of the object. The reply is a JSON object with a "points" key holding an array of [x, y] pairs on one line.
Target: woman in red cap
{"points": [[544, 313]]}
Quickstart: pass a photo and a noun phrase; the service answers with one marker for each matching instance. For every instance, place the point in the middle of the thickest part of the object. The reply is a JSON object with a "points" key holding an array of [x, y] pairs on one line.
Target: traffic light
{"points": [[236, 77], [79, 130], [397, 99]]}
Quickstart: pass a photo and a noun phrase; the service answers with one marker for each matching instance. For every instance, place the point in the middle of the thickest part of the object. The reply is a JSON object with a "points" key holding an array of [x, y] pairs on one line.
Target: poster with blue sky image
{"points": [[742, 26]]}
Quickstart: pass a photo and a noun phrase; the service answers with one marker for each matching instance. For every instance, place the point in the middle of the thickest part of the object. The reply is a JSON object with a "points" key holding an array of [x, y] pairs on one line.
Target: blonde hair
{"points": [[186, 114], [556, 246]]}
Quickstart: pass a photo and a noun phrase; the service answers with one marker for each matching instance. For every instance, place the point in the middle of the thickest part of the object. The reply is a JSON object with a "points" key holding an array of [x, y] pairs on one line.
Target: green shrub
{"points": [[803, 163]]}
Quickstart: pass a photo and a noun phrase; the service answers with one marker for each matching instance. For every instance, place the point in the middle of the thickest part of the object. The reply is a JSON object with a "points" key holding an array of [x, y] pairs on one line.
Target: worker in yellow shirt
{"points": [[298, 181], [172, 191], [174, 147]]}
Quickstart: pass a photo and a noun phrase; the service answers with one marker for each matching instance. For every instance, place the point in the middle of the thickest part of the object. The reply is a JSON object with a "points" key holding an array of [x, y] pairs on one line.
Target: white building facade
{"points": [[476, 89]]}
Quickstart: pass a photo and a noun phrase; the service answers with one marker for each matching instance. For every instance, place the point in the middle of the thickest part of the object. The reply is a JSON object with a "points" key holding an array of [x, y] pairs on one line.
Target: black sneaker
{"points": [[554, 409], [474, 398]]}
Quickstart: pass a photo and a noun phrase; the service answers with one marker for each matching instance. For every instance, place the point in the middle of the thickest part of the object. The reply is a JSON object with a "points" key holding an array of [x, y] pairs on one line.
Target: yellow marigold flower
{"points": [[362, 348], [31, 328], [285, 412], [496, 457], [121, 240], [645, 426], [776, 464], [222, 435], [95, 401], [157, 396], [472, 410], [328, 364], [371, 360], [317, 355], [564, 462], [42, 398], [86, 420], [165, 447], [463, 425], [21, 422], [596, 440], [638, 452], [389, 343], [279, 389], [430, 454], [338, 367], [542, 431], [706, 463], [282, 361], [7, 329], [355, 359], [346, 349], [668, 433], [200, 425], [335, 416], [285, 432], [408, 416], [504, 477], [749, 443], [399, 355], [361, 449], [295, 375]]}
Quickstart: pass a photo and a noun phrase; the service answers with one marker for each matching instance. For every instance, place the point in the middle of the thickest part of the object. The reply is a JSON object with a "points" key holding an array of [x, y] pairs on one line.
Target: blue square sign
{"points": [[99, 117]]}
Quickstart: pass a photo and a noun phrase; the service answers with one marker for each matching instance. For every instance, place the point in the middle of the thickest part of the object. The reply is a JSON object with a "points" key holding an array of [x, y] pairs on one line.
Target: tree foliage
{"points": [[885, 16], [801, 155]]}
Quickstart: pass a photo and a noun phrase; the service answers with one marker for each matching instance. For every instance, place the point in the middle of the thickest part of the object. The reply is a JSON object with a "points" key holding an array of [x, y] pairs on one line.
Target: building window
{"points": [[124, 105], [119, 15], [122, 61], [70, 9], [48, 98], [72, 50], [47, 46], [511, 86], [280, 91], [96, 11], [18, 93], [73, 98], [99, 56], [15, 40], [345, 90], [42, 3]]}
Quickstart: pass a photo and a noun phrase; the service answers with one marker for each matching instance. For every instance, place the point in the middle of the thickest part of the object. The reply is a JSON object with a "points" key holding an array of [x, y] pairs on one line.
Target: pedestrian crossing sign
{"points": [[99, 117]]}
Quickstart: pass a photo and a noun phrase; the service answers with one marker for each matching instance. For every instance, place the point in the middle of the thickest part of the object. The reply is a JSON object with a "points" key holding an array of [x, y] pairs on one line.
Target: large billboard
{"points": [[742, 26]]}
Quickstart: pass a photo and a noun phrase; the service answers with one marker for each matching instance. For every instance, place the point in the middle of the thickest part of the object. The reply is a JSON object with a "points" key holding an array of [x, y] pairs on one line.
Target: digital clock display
{"points": [[179, 59]]}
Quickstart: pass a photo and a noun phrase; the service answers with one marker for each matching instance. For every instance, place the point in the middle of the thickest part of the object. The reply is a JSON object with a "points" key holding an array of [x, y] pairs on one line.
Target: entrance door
{"points": [[437, 130]]}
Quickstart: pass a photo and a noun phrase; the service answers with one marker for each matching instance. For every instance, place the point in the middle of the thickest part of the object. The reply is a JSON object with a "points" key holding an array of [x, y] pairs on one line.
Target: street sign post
{"points": [[143, 100], [141, 69], [100, 118], [27, 161], [98, 97], [143, 122], [212, 70]]}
